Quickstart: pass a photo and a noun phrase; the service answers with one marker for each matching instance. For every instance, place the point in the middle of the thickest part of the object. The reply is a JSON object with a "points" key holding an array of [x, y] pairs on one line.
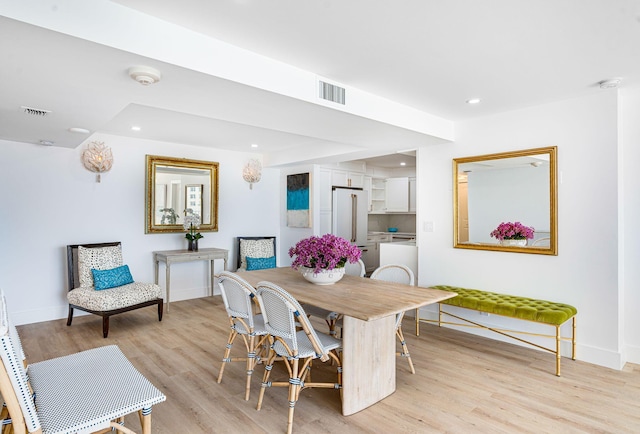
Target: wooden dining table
{"points": [[369, 308]]}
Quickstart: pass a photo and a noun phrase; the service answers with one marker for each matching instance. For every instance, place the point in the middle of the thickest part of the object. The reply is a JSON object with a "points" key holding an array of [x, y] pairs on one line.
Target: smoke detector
{"points": [[610, 83], [145, 75]]}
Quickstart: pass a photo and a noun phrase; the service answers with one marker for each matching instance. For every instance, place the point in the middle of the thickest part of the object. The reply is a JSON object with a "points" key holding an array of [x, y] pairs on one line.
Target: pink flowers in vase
{"points": [[323, 253], [512, 231]]}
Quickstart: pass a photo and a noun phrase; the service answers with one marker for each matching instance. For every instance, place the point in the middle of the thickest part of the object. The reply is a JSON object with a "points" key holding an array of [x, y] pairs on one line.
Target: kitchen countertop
{"points": [[413, 234]]}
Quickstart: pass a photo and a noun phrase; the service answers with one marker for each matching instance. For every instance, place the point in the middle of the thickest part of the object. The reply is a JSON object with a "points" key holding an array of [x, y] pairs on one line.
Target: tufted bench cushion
{"points": [[114, 298], [531, 309]]}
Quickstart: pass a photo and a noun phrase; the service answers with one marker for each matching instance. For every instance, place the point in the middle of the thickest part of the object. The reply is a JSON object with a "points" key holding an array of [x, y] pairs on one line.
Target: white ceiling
{"points": [[429, 55]]}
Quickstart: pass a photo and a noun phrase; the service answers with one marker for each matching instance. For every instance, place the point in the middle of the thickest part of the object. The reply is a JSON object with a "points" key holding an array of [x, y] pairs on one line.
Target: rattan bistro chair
{"points": [[297, 349], [239, 298], [400, 274], [89, 391]]}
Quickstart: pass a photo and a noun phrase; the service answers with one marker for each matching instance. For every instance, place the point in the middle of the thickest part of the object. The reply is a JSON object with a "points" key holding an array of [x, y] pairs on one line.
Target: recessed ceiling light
{"points": [[46, 142], [135, 128], [473, 101], [403, 164], [79, 130], [254, 145]]}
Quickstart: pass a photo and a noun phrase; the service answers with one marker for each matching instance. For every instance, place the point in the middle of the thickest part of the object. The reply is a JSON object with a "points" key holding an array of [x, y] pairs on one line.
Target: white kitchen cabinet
{"points": [[412, 195], [325, 191], [397, 194], [400, 253], [345, 178], [377, 195]]}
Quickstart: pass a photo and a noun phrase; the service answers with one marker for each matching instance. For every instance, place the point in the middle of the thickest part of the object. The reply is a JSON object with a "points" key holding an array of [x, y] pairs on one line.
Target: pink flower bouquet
{"points": [[323, 253], [512, 231]]}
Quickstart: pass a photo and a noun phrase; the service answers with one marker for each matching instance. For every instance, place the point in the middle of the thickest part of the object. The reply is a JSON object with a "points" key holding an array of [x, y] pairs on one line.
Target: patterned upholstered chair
{"points": [[239, 299], [100, 284], [90, 391], [297, 348], [400, 274], [261, 252]]}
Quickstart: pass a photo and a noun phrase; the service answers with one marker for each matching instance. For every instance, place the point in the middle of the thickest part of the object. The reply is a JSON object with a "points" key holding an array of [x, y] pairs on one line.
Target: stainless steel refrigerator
{"points": [[349, 215]]}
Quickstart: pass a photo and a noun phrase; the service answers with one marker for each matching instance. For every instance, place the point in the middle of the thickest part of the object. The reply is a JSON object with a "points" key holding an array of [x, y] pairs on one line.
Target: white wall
{"points": [[49, 200], [630, 242], [584, 273]]}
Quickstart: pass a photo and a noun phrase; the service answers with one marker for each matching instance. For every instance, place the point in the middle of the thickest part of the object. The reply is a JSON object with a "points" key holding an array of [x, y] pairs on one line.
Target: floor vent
{"points": [[332, 93], [34, 111]]}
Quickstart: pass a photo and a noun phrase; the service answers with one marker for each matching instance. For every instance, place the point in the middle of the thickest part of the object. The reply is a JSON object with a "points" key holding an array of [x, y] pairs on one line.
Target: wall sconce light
{"points": [[97, 158], [252, 172]]}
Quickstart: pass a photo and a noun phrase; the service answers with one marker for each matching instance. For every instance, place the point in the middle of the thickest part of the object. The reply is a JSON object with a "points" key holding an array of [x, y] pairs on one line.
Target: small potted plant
{"points": [[191, 225], [322, 259], [512, 234]]}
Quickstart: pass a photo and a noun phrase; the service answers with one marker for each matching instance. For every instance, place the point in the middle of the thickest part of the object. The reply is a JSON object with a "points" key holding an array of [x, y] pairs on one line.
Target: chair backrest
{"points": [[257, 247], [282, 313], [356, 269], [237, 296], [394, 273], [73, 273], [14, 383]]}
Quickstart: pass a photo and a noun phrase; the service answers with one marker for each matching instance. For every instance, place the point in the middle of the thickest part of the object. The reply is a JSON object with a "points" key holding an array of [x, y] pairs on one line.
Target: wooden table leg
{"points": [[168, 283], [368, 362], [212, 277]]}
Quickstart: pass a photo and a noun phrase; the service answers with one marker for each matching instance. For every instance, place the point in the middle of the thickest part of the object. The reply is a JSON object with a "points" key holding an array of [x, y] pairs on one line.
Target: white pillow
{"points": [[255, 249], [98, 258]]}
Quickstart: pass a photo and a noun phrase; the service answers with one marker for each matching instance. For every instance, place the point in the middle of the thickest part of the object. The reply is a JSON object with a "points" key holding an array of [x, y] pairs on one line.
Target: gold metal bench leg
{"points": [[558, 355], [573, 339], [417, 322]]}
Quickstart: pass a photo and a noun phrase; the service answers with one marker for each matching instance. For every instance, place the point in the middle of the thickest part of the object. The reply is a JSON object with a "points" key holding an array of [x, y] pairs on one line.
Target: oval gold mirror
{"points": [[507, 202], [176, 187]]}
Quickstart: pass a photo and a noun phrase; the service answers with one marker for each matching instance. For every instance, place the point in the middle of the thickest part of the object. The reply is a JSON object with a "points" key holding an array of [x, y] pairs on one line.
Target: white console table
{"points": [[173, 256]]}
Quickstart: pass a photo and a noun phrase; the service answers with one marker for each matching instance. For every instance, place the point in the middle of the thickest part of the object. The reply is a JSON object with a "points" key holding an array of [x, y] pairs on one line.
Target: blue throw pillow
{"points": [[105, 279], [260, 263]]}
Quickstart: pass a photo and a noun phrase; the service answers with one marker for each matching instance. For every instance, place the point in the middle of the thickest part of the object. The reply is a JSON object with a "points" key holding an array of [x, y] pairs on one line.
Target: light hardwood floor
{"points": [[463, 383]]}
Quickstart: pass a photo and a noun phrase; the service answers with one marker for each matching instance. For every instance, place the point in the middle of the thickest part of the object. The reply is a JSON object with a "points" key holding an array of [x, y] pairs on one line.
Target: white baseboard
{"points": [[632, 354]]}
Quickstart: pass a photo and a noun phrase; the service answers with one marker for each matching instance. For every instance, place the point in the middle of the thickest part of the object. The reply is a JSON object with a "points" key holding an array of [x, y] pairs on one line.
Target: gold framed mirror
{"points": [[177, 186], [507, 201]]}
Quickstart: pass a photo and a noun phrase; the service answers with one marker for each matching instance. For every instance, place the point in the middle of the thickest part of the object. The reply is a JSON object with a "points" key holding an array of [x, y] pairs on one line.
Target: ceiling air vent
{"points": [[332, 93], [34, 111]]}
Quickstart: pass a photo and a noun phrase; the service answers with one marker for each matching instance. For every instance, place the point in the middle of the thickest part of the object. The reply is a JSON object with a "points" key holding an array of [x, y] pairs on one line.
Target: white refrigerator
{"points": [[349, 215]]}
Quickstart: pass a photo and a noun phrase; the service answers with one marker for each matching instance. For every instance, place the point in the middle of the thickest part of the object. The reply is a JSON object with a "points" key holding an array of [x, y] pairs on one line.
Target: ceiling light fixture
{"points": [[46, 142], [473, 101], [79, 130], [609, 83], [253, 145], [145, 75], [135, 128], [403, 163]]}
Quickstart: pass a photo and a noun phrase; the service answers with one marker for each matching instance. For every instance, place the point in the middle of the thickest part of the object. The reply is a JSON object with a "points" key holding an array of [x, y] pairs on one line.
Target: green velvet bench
{"points": [[529, 309]]}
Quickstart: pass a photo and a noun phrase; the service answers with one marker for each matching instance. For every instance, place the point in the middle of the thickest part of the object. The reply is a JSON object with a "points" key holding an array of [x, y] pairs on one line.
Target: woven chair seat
{"points": [[114, 298], [259, 328], [305, 349], [86, 390]]}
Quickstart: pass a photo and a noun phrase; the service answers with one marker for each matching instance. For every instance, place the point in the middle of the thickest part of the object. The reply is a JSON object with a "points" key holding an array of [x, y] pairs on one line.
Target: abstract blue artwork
{"points": [[298, 210]]}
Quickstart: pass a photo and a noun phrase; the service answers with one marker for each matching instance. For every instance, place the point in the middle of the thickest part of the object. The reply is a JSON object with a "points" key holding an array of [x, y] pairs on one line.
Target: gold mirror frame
{"points": [[208, 171], [532, 158]]}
